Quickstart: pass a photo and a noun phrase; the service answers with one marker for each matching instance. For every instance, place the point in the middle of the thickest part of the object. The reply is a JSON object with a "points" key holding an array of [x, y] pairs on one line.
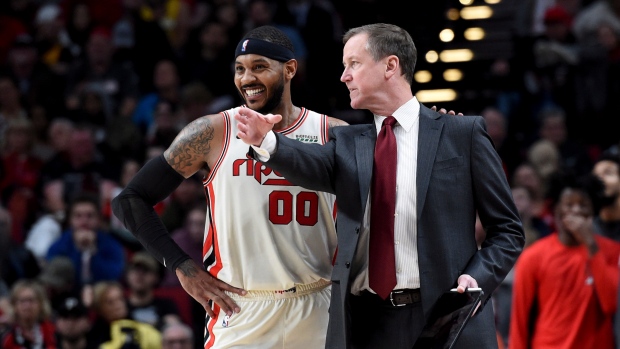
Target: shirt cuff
{"points": [[267, 147]]}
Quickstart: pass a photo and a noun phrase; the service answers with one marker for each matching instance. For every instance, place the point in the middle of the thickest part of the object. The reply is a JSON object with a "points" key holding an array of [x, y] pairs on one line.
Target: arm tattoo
{"points": [[191, 146], [332, 122], [188, 268]]}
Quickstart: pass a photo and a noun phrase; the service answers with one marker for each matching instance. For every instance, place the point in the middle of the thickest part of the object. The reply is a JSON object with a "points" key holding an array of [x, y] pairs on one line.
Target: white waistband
{"points": [[295, 291]]}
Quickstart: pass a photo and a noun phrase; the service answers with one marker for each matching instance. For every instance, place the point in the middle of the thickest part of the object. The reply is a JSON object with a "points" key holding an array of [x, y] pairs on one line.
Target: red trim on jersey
{"points": [[225, 147], [335, 214], [210, 324], [298, 122], [215, 269], [324, 128]]}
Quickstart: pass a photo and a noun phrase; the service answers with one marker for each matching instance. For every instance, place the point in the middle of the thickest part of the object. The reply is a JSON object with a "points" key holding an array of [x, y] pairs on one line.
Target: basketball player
{"points": [[268, 245]]}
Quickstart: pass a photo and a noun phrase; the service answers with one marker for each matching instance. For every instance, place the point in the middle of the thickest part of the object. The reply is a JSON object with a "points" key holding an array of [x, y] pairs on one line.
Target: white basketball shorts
{"points": [[294, 318]]}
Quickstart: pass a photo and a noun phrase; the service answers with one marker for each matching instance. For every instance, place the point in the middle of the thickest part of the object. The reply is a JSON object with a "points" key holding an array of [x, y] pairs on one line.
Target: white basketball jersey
{"points": [[262, 232]]}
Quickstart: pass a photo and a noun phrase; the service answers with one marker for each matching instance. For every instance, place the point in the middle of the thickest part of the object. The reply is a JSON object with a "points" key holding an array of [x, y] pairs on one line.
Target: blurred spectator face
{"points": [[9, 94], [22, 60], [572, 202], [608, 37], [82, 147], [164, 116], [130, 168], [49, 21], [72, 324], [72, 328], [214, 36], [19, 137], [177, 337], [609, 172], [496, 125], [523, 201], [27, 305], [260, 12], [59, 135], [81, 16], [554, 129], [166, 75], [99, 47], [228, 14], [526, 175], [113, 306], [545, 157], [84, 216], [143, 275], [196, 220]]}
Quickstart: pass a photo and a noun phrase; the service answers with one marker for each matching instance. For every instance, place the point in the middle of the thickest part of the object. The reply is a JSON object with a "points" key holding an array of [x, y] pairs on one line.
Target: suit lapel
{"points": [[428, 140], [364, 155]]}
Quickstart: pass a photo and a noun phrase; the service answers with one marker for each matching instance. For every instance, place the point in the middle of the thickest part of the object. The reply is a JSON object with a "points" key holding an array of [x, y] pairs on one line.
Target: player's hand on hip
{"points": [[465, 281], [253, 126], [203, 287]]}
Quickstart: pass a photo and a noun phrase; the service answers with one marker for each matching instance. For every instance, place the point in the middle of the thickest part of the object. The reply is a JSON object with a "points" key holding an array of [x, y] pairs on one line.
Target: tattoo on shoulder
{"points": [[191, 145], [335, 122], [188, 268]]}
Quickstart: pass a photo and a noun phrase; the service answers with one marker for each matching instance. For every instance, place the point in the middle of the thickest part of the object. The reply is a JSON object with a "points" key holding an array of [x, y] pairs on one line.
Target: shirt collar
{"points": [[406, 115]]}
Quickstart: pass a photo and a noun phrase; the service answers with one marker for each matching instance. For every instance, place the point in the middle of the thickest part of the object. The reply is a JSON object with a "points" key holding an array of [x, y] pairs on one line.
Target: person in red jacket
{"points": [[564, 293]]}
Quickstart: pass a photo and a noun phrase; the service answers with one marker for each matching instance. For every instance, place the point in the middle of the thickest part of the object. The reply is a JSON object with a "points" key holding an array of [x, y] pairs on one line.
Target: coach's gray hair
{"points": [[388, 39]]}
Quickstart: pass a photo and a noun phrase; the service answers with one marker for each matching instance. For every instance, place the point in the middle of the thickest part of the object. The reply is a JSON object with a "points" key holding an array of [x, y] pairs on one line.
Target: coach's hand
{"points": [[252, 126], [204, 287], [443, 111]]}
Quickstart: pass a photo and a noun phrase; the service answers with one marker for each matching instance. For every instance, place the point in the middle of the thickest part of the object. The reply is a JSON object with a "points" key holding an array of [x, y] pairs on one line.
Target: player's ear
{"points": [[290, 68]]}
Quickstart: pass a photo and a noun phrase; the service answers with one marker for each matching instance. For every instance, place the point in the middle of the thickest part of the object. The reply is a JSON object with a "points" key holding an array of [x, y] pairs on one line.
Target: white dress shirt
{"points": [[405, 228]]}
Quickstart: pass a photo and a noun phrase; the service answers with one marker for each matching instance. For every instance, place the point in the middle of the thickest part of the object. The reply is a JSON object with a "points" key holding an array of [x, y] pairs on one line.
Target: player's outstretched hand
{"points": [[253, 126], [443, 111], [203, 287]]}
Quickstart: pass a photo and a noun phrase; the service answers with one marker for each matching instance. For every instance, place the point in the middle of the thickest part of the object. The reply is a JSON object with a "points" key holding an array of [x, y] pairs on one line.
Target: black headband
{"points": [[264, 48]]}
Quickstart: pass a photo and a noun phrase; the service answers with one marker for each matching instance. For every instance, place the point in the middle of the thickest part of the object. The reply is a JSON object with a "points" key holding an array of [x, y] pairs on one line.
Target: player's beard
{"points": [[276, 98]]}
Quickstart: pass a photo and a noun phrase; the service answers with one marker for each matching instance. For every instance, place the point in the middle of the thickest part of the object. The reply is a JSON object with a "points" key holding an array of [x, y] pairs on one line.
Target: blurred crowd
{"points": [[91, 89]]}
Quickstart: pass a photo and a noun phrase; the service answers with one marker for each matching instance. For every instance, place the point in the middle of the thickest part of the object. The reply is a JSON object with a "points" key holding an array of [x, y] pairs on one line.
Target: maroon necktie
{"points": [[381, 260]]}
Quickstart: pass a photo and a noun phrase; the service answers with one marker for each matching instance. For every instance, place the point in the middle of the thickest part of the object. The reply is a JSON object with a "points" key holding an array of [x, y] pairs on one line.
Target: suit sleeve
{"points": [[498, 214], [307, 165]]}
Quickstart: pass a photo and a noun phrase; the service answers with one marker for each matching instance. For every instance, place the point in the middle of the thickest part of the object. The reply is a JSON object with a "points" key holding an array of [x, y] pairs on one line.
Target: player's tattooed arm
{"points": [[333, 122], [188, 268], [188, 151]]}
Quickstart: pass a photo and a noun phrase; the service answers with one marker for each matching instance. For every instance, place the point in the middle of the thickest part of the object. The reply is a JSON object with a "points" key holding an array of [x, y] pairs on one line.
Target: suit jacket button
{"points": [[357, 230], [347, 264]]}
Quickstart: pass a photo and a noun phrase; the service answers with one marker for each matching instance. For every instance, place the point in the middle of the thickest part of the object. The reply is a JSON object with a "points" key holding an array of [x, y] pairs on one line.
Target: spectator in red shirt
{"points": [[564, 292]]}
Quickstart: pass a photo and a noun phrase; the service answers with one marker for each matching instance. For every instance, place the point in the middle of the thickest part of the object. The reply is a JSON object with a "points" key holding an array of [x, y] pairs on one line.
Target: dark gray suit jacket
{"points": [[458, 173]]}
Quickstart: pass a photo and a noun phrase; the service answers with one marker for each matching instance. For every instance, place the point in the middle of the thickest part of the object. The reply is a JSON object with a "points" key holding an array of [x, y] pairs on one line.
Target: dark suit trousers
{"points": [[376, 324]]}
